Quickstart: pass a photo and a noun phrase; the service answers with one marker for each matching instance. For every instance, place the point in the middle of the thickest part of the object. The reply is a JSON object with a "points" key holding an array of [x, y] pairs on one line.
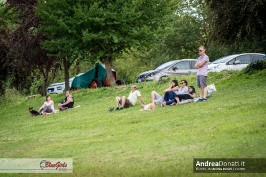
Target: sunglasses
{"points": [[182, 82], [200, 50]]}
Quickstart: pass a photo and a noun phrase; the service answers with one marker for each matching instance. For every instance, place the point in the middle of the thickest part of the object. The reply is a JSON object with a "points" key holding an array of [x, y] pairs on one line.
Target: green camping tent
{"points": [[84, 80]]}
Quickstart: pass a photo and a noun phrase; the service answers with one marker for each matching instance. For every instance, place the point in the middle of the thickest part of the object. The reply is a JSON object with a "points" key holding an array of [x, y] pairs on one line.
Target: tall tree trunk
{"points": [[108, 67], [45, 81], [77, 67], [67, 65]]}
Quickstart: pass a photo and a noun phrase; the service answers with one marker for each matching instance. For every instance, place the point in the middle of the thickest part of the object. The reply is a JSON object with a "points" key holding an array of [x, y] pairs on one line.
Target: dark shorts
{"points": [[184, 97], [201, 81], [64, 108], [69, 105], [127, 103]]}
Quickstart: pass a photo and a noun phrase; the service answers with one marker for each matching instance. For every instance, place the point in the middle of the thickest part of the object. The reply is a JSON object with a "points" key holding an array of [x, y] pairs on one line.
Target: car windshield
{"points": [[169, 63], [224, 59]]}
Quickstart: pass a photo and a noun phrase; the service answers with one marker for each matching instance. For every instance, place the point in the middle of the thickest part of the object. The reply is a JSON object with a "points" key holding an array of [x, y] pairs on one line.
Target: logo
{"points": [[41, 164], [44, 164]]}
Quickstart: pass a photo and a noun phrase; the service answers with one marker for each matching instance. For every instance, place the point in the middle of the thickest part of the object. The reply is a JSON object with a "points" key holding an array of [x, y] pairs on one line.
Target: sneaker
{"points": [[203, 99], [121, 108], [111, 109], [117, 108], [199, 100]]}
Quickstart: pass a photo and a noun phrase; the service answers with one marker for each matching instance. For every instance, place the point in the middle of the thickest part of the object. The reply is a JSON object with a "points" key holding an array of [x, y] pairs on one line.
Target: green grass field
{"points": [[162, 142]]}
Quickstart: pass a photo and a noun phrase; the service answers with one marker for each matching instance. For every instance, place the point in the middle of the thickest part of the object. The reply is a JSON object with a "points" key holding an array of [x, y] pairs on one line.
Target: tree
{"points": [[60, 26], [184, 35], [3, 51], [101, 29], [24, 55], [240, 23]]}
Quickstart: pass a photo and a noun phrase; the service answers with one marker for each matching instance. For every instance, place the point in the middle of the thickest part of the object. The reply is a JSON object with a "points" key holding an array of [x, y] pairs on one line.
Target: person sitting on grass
{"points": [[182, 90], [185, 98], [67, 103], [47, 107], [167, 93], [130, 101]]}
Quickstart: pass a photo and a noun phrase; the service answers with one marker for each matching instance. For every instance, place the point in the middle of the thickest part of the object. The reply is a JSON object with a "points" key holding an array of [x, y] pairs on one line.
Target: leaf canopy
{"points": [[101, 29]]}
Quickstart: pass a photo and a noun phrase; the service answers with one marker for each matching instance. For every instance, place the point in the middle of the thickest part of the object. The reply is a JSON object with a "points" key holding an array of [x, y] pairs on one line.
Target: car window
{"points": [[257, 57], [167, 64], [231, 62], [224, 59], [182, 65], [244, 59], [193, 64]]}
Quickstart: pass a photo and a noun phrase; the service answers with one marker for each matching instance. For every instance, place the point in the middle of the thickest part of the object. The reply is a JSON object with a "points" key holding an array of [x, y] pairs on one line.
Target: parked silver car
{"points": [[235, 62], [174, 67]]}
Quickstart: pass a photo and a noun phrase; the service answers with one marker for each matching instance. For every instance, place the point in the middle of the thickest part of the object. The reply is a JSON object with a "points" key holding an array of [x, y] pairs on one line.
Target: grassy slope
{"points": [[162, 142]]}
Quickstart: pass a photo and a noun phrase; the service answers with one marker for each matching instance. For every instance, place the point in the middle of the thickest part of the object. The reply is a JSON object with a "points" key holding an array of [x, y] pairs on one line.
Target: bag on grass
{"points": [[211, 88]]}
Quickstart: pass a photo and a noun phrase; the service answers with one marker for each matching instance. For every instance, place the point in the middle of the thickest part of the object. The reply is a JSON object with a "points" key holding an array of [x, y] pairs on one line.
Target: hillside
{"points": [[162, 142]]}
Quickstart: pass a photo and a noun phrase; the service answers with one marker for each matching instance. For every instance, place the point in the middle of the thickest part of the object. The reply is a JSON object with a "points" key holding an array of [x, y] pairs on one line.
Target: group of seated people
{"points": [[48, 105], [174, 94]]}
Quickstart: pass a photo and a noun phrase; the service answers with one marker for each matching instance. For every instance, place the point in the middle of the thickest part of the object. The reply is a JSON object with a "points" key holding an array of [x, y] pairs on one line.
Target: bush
{"points": [[258, 65], [11, 96]]}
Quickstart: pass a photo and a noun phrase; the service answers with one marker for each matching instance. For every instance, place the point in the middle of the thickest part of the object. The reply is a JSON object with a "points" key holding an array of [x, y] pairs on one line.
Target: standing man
{"points": [[130, 100], [202, 66]]}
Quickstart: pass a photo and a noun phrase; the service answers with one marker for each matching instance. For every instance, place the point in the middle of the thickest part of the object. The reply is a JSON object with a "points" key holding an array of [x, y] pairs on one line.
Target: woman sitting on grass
{"points": [[167, 93], [67, 103], [185, 98], [182, 90], [47, 107]]}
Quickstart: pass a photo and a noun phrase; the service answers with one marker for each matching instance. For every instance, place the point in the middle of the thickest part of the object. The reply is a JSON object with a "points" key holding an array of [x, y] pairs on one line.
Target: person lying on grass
{"points": [[129, 101], [179, 99], [67, 103]]}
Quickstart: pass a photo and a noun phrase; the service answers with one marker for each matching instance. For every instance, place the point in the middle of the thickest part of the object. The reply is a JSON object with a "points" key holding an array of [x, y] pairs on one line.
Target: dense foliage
{"points": [[258, 65], [240, 24], [101, 30], [128, 36], [23, 58]]}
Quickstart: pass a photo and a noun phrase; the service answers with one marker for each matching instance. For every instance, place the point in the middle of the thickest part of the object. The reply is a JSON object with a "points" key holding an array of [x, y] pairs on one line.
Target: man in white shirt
{"points": [[130, 100]]}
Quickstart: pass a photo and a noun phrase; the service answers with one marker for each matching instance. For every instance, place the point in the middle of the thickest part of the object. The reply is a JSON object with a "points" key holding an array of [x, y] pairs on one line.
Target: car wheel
{"points": [[120, 82], [95, 83]]}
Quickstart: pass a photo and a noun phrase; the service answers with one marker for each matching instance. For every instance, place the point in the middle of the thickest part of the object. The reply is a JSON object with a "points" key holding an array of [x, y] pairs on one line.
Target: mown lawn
{"points": [[162, 142]]}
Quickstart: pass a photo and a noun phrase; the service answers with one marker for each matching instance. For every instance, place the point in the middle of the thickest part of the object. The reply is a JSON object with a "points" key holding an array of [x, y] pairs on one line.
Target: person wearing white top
{"points": [[130, 100], [48, 106]]}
